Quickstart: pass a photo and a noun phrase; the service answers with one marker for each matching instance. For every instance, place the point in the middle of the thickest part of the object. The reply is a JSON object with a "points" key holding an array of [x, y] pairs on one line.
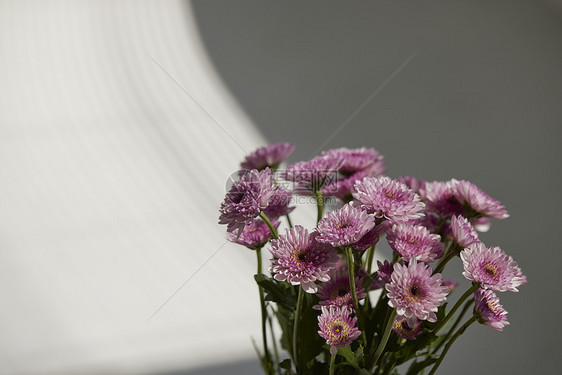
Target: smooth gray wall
{"points": [[480, 100]]}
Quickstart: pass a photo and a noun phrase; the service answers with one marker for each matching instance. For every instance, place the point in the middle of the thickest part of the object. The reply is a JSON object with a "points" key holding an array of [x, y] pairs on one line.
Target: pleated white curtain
{"points": [[116, 139]]}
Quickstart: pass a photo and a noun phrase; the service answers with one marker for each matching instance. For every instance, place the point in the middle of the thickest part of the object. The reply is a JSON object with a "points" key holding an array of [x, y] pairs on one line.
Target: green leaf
{"points": [[410, 348], [285, 319], [348, 354], [359, 353], [416, 367], [309, 341], [279, 292], [286, 364]]}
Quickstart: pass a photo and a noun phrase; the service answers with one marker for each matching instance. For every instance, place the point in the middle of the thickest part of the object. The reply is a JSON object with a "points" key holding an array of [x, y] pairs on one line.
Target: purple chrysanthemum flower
{"points": [[385, 271], [370, 238], [344, 226], [247, 198], [377, 283], [354, 160], [387, 198], [300, 259], [254, 235], [268, 156], [452, 285], [312, 175], [463, 232], [403, 330], [432, 222], [279, 204], [413, 183], [440, 198], [344, 186], [337, 292], [491, 268], [415, 242], [488, 309], [415, 293], [478, 202], [337, 328]]}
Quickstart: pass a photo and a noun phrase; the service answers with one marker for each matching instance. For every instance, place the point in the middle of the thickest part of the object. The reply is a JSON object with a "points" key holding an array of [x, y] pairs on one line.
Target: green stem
{"points": [[272, 229], [275, 350], [450, 343], [263, 317], [384, 338], [369, 260], [351, 276], [296, 325], [319, 205], [455, 325], [450, 255], [289, 221], [452, 250], [461, 300], [390, 366], [332, 363]]}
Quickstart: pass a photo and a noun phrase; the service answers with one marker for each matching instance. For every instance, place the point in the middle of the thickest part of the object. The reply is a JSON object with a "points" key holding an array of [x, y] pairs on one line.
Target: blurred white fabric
{"points": [[110, 182]]}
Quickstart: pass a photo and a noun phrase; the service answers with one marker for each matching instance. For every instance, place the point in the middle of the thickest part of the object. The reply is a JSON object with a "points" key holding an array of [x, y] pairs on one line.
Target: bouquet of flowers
{"points": [[322, 288]]}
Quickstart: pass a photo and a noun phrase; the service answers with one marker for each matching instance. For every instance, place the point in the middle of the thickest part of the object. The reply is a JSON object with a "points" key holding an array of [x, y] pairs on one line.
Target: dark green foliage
{"points": [[279, 292]]}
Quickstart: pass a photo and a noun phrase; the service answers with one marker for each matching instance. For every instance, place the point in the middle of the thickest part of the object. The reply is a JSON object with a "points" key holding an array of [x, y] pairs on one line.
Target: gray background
{"points": [[479, 100]]}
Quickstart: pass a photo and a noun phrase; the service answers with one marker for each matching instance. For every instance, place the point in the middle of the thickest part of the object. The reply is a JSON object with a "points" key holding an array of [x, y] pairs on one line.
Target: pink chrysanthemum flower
{"points": [[268, 156], [491, 268], [463, 232], [415, 293], [488, 309], [337, 292], [300, 259], [344, 226], [387, 198], [440, 198], [370, 238], [415, 242], [403, 330], [354, 160], [337, 328], [385, 270], [452, 285], [413, 183], [432, 222], [279, 203], [247, 198], [254, 235], [310, 176], [344, 186], [478, 202]]}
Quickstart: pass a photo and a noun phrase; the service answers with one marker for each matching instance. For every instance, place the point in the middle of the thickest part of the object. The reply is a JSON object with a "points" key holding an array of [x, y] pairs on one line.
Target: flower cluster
{"points": [[324, 273]]}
